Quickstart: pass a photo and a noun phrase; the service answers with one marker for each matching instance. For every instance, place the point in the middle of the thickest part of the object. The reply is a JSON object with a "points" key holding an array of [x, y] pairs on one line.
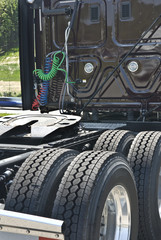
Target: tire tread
{"points": [[27, 189], [141, 160]]}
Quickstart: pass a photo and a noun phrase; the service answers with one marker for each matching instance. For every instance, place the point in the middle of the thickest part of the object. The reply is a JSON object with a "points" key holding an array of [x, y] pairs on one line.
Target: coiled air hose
{"points": [[41, 98], [55, 67], [43, 95], [52, 66]]}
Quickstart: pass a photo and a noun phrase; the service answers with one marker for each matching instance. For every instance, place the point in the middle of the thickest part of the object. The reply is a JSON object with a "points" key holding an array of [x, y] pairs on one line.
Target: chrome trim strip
{"points": [[30, 225]]}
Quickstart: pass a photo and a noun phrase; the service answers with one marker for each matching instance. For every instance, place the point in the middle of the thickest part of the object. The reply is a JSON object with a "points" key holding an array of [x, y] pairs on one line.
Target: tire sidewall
{"points": [[152, 191], [127, 141], [117, 174]]}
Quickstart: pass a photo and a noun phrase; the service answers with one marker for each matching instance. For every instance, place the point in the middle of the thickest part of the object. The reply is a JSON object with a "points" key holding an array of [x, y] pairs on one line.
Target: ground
{"points": [[10, 86]]}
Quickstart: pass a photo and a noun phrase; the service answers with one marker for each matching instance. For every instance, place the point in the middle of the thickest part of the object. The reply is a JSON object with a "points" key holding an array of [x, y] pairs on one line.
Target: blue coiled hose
{"points": [[45, 84]]}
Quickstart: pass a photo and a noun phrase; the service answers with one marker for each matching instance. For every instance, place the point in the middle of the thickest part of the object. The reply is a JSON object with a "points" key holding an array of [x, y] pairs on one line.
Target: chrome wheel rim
{"points": [[159, 193], [116, 215]]}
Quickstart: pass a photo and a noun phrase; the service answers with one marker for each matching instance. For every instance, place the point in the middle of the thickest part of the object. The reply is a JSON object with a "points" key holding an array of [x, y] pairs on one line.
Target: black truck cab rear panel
{"points": [[102, 34]]}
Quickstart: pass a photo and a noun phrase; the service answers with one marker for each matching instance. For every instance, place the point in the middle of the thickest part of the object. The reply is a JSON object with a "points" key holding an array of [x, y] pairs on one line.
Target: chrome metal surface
{"points": [[133, 66], [159, 193], [30, 1], [116, 215], [88, 68], [12, 236], [13, 222]]}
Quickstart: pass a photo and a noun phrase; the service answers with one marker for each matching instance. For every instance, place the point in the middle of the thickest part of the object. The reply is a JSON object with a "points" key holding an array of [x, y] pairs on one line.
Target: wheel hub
{"points": [[159, 193], [116, 215]]}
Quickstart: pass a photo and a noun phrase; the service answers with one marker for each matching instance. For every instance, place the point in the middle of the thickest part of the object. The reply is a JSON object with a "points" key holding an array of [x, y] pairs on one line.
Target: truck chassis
{"points": [[94, 170]]}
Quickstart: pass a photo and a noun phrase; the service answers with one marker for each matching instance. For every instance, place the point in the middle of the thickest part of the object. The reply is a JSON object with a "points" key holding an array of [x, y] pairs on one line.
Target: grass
{"points": [[14, 52], [10, 72], [5, 114], [9, 66]]}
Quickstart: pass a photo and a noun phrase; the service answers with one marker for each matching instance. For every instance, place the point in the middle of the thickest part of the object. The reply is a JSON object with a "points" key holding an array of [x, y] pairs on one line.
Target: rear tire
{"points": [[35, 185], [115, 140], [145, 160], [95, 185]]}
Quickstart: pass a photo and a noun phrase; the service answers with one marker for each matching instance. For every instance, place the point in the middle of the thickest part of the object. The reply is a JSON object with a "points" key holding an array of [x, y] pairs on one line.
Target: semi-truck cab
{"points": [[85, 163]]}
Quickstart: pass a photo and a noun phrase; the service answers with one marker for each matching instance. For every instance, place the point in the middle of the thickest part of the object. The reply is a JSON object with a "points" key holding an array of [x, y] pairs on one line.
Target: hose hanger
{"points": [[58, 11]]}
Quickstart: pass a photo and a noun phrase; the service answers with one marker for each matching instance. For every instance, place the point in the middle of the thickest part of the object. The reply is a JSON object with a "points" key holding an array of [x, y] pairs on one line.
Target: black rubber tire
{"points": [[145, 160], [35, 185], [115, 140], [84, 190]]}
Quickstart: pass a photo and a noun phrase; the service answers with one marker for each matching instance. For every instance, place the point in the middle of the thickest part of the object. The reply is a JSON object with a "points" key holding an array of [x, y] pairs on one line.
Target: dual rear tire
{"points": [[144, 157], [96, 195]]}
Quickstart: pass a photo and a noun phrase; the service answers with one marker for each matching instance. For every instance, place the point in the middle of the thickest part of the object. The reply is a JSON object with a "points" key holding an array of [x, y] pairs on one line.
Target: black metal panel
{"points": [[26, 45], [143, 126]]}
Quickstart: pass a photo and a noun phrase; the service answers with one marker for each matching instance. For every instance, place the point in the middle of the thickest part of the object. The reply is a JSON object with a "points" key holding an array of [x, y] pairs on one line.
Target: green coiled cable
{"points": [[55, 67]]}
